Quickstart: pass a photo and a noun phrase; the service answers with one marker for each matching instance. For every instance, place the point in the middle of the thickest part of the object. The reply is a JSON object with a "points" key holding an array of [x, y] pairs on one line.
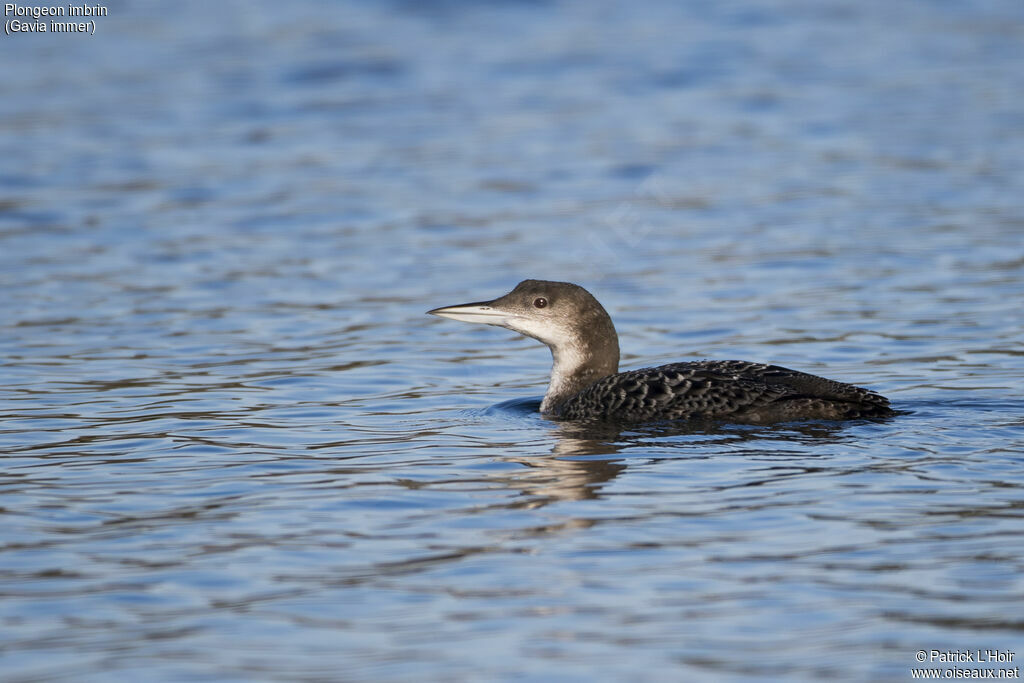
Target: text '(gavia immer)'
{"points": [[586, 383]]}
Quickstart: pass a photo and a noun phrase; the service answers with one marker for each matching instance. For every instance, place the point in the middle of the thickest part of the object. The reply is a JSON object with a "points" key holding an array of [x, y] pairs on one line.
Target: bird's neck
{"points": [[578, 365]]}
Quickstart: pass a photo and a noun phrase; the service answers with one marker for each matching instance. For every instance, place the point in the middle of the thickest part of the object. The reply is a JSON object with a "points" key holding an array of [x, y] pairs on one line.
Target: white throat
{"points": [[566, 369]]}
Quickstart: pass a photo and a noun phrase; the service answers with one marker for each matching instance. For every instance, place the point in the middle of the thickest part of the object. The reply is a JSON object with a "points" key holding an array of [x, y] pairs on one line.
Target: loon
{"points": [[586, 383]]}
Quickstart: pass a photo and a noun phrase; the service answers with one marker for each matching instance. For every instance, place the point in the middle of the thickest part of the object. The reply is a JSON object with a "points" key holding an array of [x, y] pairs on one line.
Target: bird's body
{"points": [[586, 385], [710, 389]]}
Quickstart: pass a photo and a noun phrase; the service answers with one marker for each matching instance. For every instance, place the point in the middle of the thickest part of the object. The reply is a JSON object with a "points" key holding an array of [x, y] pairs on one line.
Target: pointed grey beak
{"points": [[479, 312]]}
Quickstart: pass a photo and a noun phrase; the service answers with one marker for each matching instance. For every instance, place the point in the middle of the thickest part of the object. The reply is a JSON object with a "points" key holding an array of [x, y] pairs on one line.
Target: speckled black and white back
{"points": [[731, 389]]}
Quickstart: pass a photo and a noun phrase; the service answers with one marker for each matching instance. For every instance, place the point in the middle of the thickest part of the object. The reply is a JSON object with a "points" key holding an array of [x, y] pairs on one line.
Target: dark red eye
{"points": [[540, 302]]}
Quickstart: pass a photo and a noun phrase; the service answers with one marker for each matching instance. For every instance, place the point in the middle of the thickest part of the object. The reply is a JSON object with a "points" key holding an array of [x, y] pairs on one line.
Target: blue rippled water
{"points": [[235, 448]]}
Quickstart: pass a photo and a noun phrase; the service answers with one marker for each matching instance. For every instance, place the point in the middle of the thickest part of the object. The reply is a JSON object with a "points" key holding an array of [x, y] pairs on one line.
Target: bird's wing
{"points": [[804, 385], [704, 389]]}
